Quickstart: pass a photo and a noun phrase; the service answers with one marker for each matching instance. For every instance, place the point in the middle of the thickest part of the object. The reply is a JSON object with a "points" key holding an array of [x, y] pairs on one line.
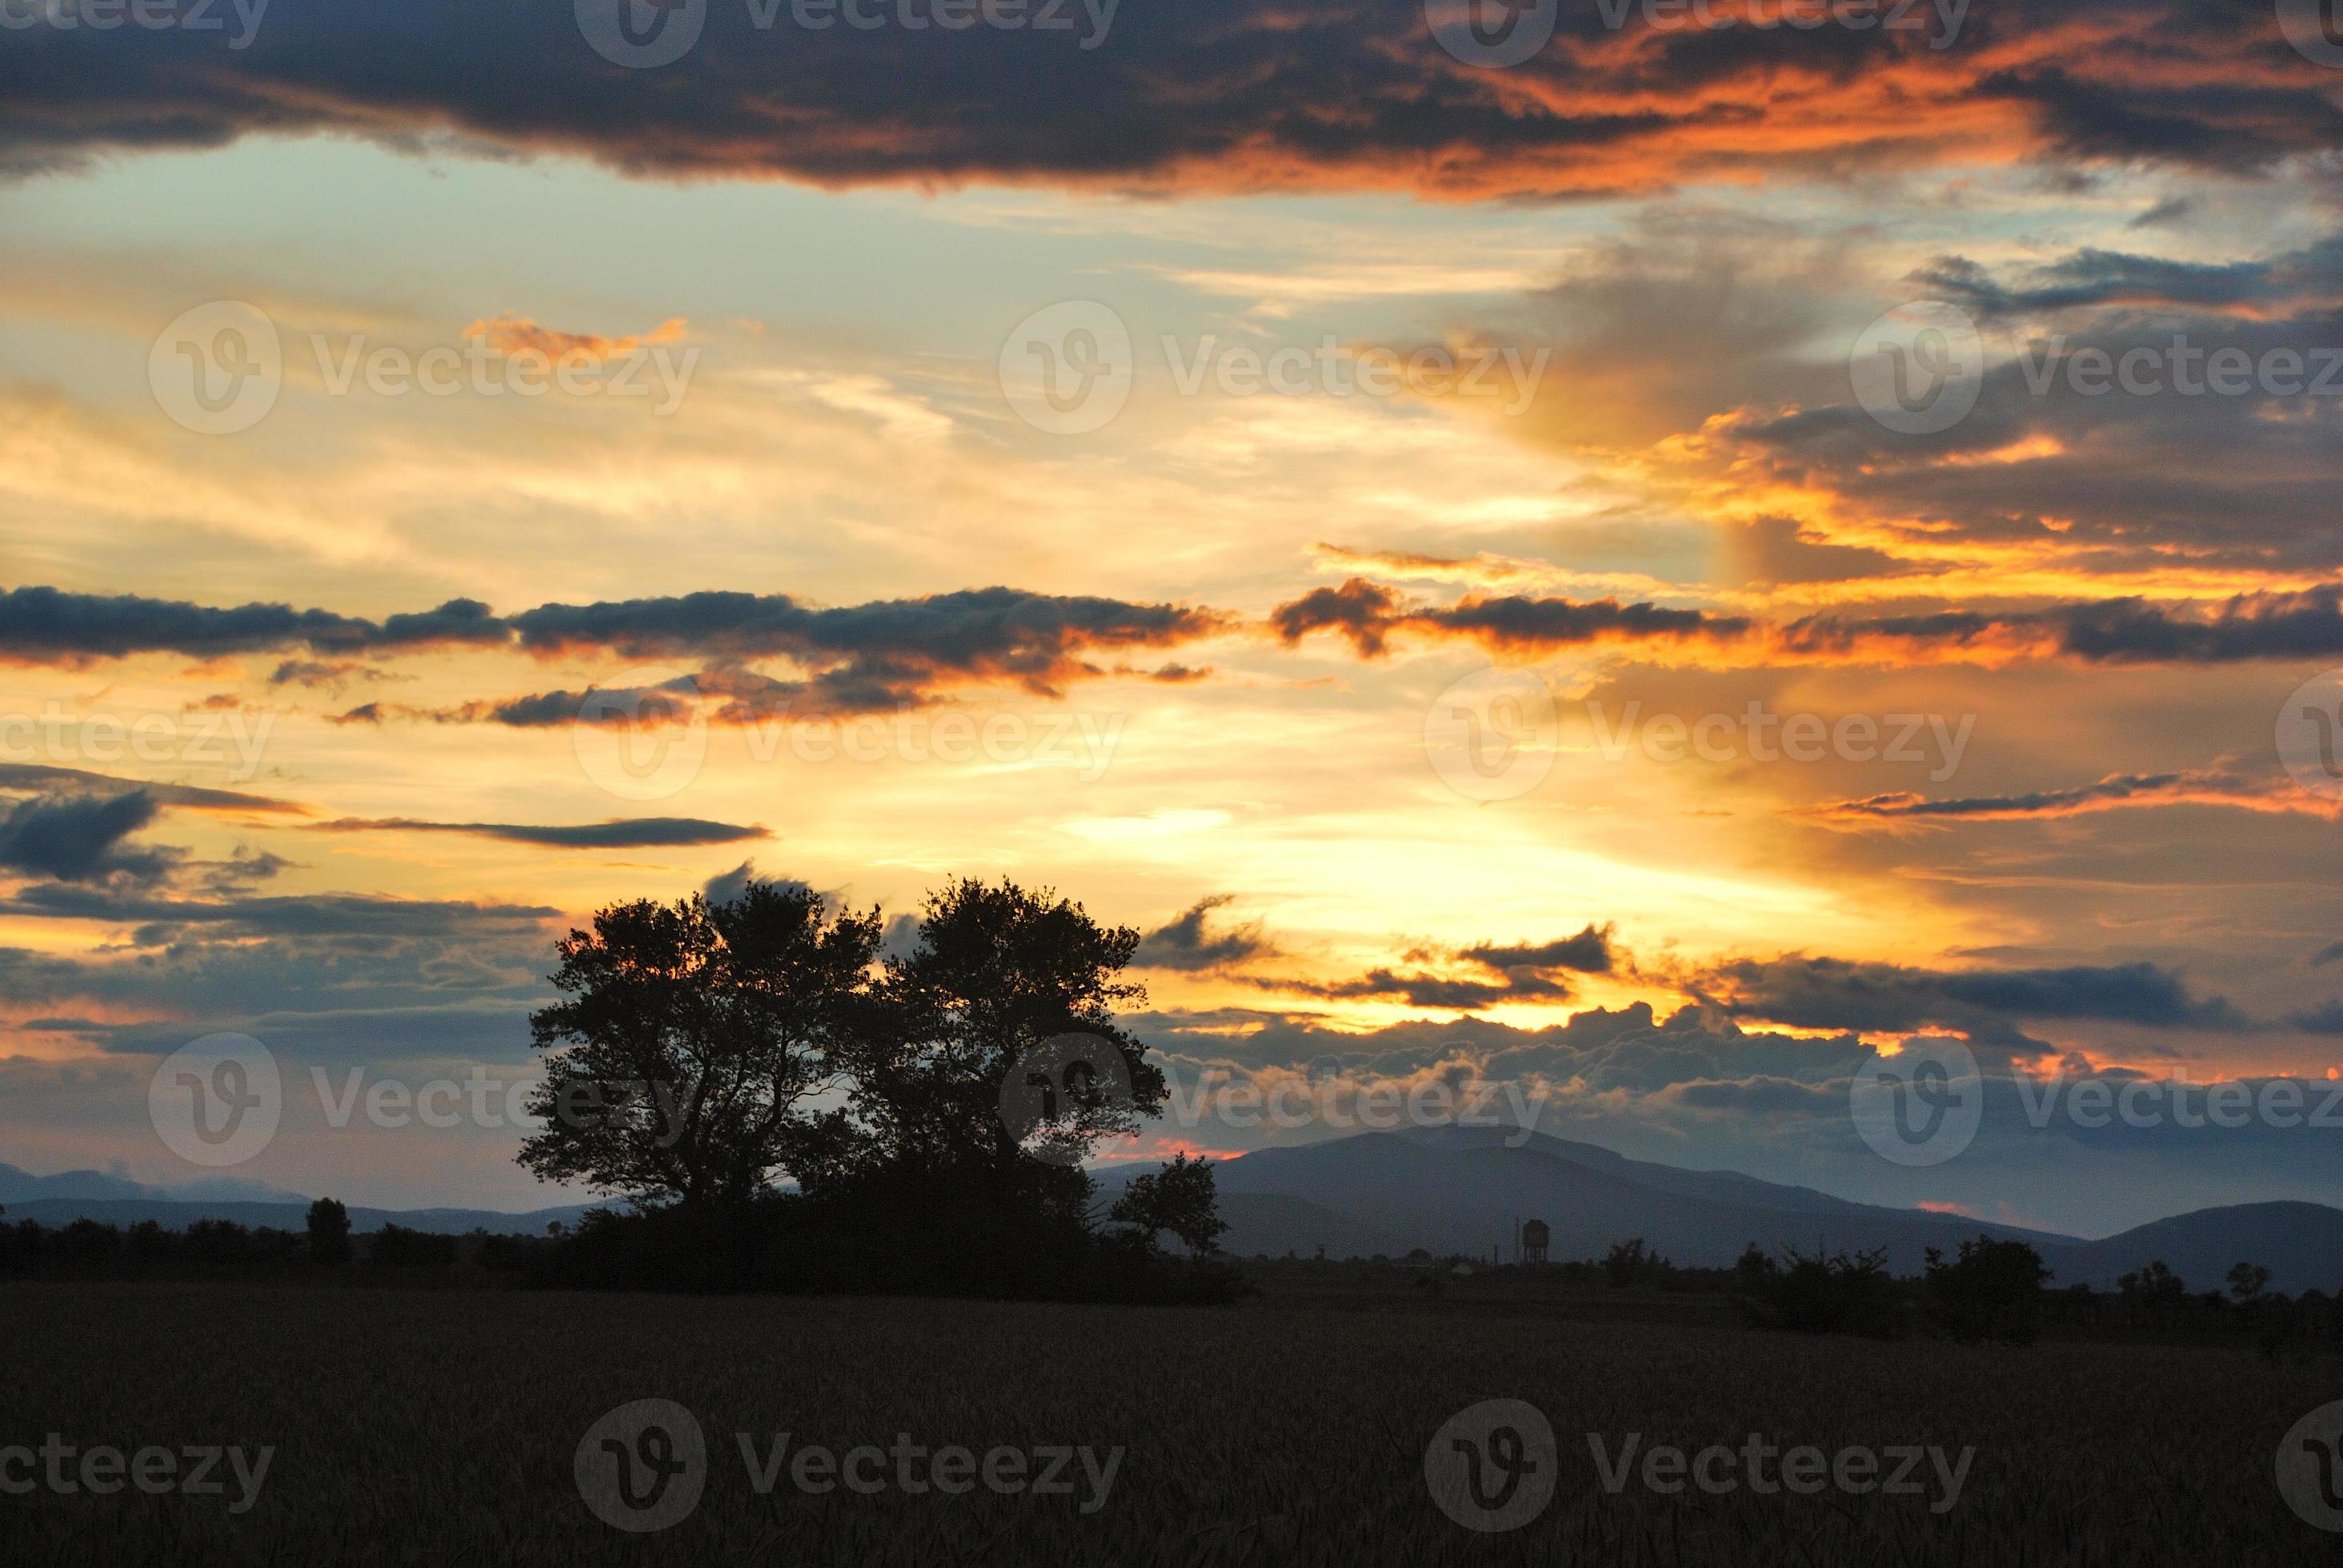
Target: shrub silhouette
{"points": [[330, 1233], [396, 1247], [1993, 1290], [1828, 1294]]}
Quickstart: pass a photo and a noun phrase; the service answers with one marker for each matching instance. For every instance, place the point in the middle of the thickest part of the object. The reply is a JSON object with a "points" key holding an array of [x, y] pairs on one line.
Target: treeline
{"points": [[214, 1249], [1989, 1290]]}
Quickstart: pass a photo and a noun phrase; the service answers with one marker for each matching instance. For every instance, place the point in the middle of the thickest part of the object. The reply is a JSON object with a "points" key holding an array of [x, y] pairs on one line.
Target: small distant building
{"points": [[1535, 1237]]}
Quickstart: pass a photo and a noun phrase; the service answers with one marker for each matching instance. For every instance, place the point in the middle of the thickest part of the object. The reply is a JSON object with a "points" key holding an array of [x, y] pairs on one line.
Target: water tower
{"points": [[1535, 1237]]}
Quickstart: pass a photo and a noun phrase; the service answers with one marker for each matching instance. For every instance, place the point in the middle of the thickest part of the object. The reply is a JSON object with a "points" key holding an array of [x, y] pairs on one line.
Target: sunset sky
{"points": [[1360, 700]]}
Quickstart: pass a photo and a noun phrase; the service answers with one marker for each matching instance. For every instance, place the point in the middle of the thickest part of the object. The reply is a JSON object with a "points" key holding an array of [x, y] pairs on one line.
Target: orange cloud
{"points": [[514, 334]]}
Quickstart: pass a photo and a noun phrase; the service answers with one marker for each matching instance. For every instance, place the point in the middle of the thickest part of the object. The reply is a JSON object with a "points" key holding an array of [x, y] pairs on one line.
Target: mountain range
{"points": [[71, 1195], [1449, 1191], [1457, 1190]]}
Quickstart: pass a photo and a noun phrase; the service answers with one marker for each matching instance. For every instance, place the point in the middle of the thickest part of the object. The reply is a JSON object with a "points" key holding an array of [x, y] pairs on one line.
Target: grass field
{"points": [[443, 1427]]}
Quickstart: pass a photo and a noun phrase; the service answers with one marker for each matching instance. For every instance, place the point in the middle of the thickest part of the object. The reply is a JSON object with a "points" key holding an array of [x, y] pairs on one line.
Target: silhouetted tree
{"points": [[396, 1247], [1180, 1197], [2155, 1291], [1992, 1290], [2247, 1281], [680, 1067], [997, 971], [1624, 1262], [1830, 1293], [330, 1233]]}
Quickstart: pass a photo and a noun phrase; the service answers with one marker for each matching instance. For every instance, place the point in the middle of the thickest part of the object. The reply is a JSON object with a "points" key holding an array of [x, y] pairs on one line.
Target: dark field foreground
{"points": [[444, 1427]]}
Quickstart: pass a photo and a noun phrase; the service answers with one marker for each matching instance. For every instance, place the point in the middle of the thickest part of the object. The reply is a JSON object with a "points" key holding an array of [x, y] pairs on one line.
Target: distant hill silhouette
{"points": [[17, 1186], [1458, 1190], [2300, 1244], [171, 1216]]}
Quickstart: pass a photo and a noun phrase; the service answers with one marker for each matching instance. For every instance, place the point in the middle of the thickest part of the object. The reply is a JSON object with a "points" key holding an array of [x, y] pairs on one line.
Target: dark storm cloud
{"points": [[1524, 971], [48, 626], [641, 832], [1190, 95], [2308, 624], [1367, 615], [1184, 944], [1445, 993], [872, 655], [2310, 276], [2117, 791], [1834, 993], [1588, 952], [157, 920], [331, 977], [80, 839], [992, 632], [54, 780], [2164, 460]]}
